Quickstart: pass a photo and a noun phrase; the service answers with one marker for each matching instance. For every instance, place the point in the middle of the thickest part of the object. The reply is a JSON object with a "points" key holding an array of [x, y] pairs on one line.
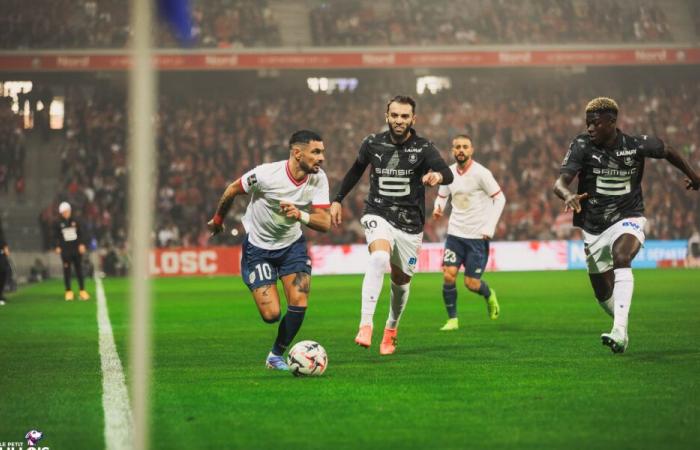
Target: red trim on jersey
{"points": [[324, 206], [240, 182], [462, 172], [493, 195], [442, 196], [294, 180]]}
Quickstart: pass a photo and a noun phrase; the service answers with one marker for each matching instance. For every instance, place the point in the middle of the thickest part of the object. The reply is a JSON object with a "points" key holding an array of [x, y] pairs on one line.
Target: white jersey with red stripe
{"points": [[268, 185], [477, 201]]}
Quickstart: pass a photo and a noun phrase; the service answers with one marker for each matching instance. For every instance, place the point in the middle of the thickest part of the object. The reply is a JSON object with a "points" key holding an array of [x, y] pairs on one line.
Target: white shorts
{"points": [[598, 247], [404, 246]]}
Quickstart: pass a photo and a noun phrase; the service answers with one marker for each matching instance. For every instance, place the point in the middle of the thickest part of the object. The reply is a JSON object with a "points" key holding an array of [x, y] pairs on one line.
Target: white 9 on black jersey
{"points": [[394, 186]]}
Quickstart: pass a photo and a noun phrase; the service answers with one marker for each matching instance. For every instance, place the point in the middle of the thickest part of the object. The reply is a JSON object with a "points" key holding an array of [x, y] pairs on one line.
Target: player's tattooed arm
{"points": [[693, 180], [216, 224], [561, 189]]}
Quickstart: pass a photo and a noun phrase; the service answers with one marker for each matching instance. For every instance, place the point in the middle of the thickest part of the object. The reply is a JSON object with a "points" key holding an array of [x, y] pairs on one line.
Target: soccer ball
{"points": [[307, 358]]}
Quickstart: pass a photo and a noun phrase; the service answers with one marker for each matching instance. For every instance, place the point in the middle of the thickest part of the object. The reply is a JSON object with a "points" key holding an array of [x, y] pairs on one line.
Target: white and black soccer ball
{"points": [[307, 358]]}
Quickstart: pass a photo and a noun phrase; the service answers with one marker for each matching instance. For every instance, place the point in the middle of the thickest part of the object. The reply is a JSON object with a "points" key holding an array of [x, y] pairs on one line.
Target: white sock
{"points": [[608, 306], [399, 298], [372, 284], [622, 293]]}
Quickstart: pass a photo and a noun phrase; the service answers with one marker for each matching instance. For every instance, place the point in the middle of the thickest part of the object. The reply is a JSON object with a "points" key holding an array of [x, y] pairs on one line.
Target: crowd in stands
{"points": [[521, 135], [478, 22], [70, 24], [12, 149]]}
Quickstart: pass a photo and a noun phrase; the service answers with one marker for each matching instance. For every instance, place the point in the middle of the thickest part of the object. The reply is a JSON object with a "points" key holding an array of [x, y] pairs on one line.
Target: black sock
{"points": [[485, 290], [288, 328], [449, 296]]}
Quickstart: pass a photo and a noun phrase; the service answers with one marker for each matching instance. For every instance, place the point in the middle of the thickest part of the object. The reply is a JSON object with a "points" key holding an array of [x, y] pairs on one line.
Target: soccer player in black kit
{"points": [[402, 163], [71, 246], [609, 207], [4, 264]]}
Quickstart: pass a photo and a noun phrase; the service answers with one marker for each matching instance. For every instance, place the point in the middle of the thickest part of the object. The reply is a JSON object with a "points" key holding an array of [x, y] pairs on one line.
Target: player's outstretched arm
{"points": [[319, 219], [349, 181], [693, 180], [216, 224], [561, 189]]}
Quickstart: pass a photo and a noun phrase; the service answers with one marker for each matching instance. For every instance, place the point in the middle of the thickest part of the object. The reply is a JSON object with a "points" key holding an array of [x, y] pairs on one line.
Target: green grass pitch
{"points": [[537, 378]]}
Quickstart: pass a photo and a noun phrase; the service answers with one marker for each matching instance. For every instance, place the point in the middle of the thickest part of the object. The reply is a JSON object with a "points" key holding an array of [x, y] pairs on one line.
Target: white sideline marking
{"points": [[115, 397]]}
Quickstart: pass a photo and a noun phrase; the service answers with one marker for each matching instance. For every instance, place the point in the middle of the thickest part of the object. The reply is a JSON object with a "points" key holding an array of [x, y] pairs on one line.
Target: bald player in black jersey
{"points": [[609, 207], [401, 165]]}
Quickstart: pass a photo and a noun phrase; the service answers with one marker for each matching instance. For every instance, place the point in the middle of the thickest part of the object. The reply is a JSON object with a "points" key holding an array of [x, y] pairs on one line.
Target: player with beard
{"points": [[477, 204], [608, 205], [401, 164], [283, 195]]}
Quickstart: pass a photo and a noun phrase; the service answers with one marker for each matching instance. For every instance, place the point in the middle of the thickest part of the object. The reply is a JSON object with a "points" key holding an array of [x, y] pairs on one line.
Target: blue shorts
{"points": [[260, 267], [472, 253]]}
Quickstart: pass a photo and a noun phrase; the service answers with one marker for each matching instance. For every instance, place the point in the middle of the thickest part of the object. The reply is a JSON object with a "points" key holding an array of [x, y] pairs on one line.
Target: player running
{"points": [[283, 195], [401, 164], [609, 205], [477, 204]]}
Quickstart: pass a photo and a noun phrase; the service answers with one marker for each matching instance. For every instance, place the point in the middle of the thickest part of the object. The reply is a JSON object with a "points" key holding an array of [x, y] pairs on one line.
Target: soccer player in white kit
{"points": [[477, 204], [284, 195]]}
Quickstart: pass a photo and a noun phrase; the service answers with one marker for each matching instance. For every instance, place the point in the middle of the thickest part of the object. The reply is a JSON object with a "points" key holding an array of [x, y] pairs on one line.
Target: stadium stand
{"points": [[204, 142], [73, 24]]}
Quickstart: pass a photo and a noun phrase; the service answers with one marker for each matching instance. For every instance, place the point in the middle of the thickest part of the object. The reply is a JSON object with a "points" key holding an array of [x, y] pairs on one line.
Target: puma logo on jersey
{"points": [[598, 158], [379, 156]]}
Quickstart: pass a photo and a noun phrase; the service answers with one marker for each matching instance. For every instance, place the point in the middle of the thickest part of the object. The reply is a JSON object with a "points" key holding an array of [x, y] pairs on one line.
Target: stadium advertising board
{"points": [[242, 60], [352, 259], [654, 254], [174, 262]]}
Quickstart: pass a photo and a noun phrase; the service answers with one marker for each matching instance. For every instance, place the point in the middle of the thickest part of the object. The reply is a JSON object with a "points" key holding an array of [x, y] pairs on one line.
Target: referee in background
{"points": [[71, 246], [4, 265]]}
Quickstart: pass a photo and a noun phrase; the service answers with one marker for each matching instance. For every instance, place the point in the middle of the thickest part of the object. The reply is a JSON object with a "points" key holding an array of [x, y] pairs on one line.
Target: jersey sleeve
{"points": [[573, 161], [321, 197], [434, 160], [364, 156], [251, 180], [651, 147], [488, 183]]}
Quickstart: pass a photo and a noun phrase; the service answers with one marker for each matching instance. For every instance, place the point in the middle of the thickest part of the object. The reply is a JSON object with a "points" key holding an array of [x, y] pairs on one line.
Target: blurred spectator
{"points": [[38, 272], [39, 24], [470, 22], [519, 133]]}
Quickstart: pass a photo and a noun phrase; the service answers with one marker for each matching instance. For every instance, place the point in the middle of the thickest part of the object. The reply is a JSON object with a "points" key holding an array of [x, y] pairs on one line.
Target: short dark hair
{"points": [[404, 99], [463, 136], [304, 137]]}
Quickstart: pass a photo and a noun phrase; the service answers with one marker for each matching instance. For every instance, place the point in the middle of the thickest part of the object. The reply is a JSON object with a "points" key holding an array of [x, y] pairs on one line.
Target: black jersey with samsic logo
{"points": [[68, 235], [396, 192], [611, 177]]}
